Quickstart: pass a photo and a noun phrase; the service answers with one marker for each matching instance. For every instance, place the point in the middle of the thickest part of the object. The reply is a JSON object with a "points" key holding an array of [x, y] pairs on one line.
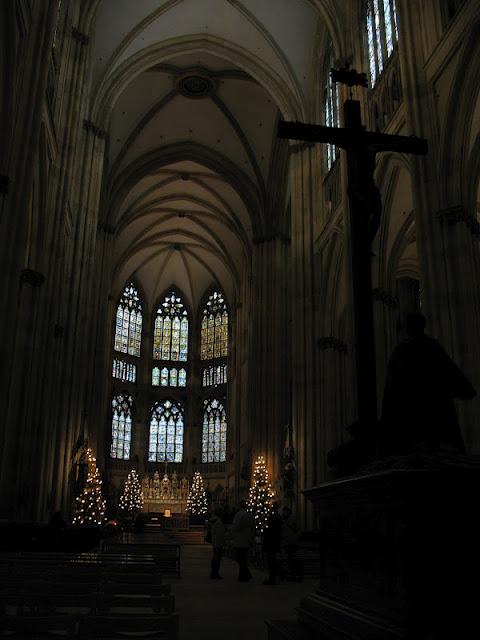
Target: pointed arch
{"points": [[128, 322], [167, 421], [331, 106], [214, 436], [214, 326], [171, 327], [381, 35], [121, 426]]}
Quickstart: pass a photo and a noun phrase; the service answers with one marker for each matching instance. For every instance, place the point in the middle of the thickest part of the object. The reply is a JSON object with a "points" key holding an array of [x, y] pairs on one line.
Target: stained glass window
{"points": [[166, 432], [128, 325], [121, 427], [124, 371], [382, 34], [164, 377], [213, 376], [214, 332], [214, 438], [332, 111], [170, 337]]}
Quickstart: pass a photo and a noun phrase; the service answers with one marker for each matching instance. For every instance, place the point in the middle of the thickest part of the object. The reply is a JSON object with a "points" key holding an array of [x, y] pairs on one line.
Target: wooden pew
{"points": [[33, 627], [111, 627], [167, 557]]}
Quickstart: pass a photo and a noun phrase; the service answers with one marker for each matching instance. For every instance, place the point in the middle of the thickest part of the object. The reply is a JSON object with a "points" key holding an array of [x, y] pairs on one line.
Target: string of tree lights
{"points": [[131, 500], [260, 496], [90, 505], [197, 499]]}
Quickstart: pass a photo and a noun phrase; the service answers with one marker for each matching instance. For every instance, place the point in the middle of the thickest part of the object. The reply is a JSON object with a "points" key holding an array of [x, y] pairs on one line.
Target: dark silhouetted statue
{"points": [[422, 381]]}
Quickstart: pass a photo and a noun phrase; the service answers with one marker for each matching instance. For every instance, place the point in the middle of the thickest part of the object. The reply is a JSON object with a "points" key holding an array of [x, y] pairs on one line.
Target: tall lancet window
{"points": [[170, 341], [331, 110], [214, 340], [382, 35], [166, 432], [121, 427], [214, 438], [128, 326]]}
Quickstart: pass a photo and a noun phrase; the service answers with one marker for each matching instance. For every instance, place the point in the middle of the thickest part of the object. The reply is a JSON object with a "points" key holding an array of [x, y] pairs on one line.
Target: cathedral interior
{"points": [[184, 293]]}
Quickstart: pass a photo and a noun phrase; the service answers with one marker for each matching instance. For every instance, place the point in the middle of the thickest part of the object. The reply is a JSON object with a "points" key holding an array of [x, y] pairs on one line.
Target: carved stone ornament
{"points": [[31, 277], [196, 84], [330, 342], [92, 128], [386, 298], [79, 36], [4, 185]]}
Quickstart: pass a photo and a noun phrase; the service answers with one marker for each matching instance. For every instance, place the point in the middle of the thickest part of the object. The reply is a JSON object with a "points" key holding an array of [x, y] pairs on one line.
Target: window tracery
{"points": [[128, 325], [124, 371], [215, 375], [382, 35], [121, 427], [166, 432], [170, 338], [166, 377], [331, 110], [214, 331], [214, 437]]}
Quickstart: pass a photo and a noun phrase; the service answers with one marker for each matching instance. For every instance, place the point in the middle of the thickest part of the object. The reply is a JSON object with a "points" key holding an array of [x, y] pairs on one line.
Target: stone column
{"points": [[69, 101], [310, 465], [77, 364], [332, 410], [270, 354], [448, 251]]}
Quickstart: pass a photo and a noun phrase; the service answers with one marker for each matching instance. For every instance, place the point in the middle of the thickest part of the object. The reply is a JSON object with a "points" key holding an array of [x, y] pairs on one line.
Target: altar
{"points": [[168, 495]]}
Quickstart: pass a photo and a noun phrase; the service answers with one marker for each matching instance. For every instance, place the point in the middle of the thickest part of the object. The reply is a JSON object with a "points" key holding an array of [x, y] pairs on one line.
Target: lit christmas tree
{"points": [[90, 506], [131, 501], [260, 496], [197, 500]]}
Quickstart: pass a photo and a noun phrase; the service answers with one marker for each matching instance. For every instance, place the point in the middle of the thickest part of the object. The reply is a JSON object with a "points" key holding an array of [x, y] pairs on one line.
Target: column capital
{"points": [[79, 36], [453, 215], [381, 295], [58, 331], [108, 229], [270, 237], [92, 128], [32, 277], [300, 146], [330, 342], [4, 185]]}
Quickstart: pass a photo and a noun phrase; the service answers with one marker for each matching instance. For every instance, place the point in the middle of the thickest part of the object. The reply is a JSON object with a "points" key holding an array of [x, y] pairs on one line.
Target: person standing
{"points": [[243, 533], [272, 542], [217, 533]]}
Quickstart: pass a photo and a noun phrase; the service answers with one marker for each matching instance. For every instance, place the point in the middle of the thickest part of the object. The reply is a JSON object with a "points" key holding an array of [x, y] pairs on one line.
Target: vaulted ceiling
{"points": [[190, 92]]}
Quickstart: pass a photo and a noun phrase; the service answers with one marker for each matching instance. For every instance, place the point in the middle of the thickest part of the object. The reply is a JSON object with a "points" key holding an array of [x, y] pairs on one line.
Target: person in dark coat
{"points": [[217, 534], [272, 542], [422, 381], [242, 533]]}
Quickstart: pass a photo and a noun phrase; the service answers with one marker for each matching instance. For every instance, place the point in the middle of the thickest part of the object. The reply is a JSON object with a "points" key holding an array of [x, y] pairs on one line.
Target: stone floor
{"points": [[227, 609]]}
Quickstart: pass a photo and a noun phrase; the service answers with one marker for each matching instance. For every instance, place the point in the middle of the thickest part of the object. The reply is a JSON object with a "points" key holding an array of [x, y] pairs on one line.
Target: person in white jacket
{"points": [[243, 533]]}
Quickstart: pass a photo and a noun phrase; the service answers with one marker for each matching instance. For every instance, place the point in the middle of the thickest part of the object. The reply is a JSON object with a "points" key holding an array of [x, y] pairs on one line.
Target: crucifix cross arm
{"points": [[352, 137]]}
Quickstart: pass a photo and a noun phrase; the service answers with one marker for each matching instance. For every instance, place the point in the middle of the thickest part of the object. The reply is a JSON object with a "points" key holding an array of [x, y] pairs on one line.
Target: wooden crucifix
{"points": [[365, 212]]}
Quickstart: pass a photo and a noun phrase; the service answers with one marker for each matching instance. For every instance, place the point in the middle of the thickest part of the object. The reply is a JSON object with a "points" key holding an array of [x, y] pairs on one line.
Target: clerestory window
{"points": [[382, 35]]}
